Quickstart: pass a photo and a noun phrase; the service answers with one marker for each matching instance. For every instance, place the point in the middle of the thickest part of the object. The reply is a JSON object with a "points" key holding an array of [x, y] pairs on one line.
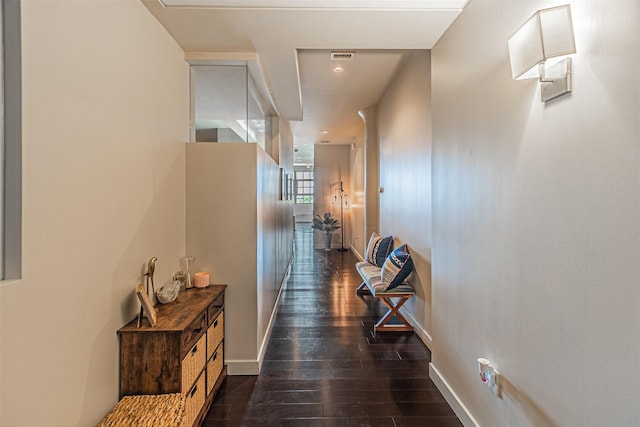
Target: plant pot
{"points": [[327, 242]]}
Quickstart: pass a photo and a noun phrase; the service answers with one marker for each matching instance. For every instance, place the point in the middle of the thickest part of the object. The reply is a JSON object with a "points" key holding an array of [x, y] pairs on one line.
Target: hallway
{"points": [[324, 367]]}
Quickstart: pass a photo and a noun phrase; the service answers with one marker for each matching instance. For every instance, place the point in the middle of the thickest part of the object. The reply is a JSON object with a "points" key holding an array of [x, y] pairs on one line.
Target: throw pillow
{"points": [[396, 267], [378, 248]]}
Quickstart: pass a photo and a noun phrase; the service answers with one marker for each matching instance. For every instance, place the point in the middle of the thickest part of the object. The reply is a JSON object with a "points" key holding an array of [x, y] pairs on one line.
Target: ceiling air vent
{"points": [[342, 55]]}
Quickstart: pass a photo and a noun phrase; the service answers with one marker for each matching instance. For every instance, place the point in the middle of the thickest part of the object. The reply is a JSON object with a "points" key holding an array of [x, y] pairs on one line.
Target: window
{"points": [[10, 142], [303, 187]]}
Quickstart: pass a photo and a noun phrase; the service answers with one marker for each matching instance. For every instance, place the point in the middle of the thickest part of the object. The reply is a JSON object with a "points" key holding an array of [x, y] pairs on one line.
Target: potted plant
{"points": [[327, 224]]}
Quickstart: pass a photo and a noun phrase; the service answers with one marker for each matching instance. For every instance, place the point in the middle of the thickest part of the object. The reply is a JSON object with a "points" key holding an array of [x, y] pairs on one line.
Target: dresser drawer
{"points": [[214, 307], [194, 400], [214, 368], [193, 363], [192, 332], [215, 334], [172, 356]]}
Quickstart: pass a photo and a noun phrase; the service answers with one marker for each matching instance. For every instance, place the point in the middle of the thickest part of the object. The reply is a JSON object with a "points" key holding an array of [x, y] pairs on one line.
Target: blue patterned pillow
{"points": [[378, 248], [397, 267]]}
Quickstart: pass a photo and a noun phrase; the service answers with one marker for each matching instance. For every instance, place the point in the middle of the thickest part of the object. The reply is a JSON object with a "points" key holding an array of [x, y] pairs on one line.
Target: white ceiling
{"points": [[293, 40]]}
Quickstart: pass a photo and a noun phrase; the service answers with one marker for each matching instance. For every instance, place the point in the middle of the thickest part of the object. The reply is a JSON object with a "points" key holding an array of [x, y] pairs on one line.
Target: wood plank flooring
{"points": [[325, 367]]}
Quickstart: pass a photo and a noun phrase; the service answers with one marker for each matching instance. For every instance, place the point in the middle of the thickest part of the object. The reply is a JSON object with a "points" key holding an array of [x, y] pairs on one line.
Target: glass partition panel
{"points": [[256, 124], [228, 106], [220, 94]]}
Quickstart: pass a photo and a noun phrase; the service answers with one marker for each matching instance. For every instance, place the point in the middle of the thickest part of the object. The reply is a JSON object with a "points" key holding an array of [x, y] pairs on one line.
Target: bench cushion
{"points": [[371, 274]]}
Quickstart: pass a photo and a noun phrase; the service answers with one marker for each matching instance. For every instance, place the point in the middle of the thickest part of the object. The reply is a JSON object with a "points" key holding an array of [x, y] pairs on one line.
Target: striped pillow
{"points": [[378, 248], [397, 267]]}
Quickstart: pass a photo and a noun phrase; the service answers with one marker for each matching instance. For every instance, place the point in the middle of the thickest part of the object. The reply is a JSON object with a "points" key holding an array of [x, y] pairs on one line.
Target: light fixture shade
{"points": [[547, 34]]}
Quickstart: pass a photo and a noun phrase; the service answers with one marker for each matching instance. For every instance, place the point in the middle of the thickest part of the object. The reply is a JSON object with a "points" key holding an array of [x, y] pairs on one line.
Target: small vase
{"points": [[188, 264], [327, 242]]}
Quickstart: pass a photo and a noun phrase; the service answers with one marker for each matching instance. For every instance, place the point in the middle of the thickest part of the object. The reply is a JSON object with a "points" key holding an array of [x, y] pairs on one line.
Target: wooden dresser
{"points": [[183, 353]]}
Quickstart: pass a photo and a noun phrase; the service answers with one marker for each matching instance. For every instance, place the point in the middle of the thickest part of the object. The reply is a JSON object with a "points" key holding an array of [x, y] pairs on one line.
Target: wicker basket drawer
{"points": [[215, 334], [193, 363], [162, 410], [194, 401], [214, 368]]}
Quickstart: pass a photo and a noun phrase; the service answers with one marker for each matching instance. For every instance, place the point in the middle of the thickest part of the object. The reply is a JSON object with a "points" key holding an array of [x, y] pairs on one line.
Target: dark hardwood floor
{"points": [[325, 367]]}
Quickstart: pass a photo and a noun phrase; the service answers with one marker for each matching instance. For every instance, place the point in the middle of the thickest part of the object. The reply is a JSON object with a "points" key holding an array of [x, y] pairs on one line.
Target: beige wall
{"points": [[371, 187], [222, 212], [536, 231], [357, 197], [242, 234], [284, 214], [404, 130], [285, 145], [275, 245], [331, 164], [104, 116]]}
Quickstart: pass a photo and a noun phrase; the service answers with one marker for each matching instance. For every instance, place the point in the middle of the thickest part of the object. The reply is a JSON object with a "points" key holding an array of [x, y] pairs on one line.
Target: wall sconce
{"points": [[538, 50]]}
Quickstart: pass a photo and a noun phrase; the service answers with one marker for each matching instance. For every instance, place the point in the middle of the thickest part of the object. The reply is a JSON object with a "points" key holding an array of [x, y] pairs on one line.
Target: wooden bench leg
{"points": [[363, 289], [393, 311]]}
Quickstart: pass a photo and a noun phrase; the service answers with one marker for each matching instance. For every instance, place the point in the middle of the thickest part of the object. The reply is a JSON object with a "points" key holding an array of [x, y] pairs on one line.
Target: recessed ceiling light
{"points": [[338, 68], [325, 132]]}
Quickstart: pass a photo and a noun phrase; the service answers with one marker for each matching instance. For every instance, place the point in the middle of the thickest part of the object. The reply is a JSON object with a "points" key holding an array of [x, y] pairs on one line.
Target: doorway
{"points": [[303, 194]]}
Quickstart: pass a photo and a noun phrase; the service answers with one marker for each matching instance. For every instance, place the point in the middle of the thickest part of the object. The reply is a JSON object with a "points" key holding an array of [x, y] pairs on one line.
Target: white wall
{"points": [[105, 112], [536, 232], [404, 130]]}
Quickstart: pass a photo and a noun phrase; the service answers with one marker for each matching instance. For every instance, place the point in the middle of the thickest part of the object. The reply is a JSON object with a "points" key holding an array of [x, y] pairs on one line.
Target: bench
{"points": [[372, 285]]}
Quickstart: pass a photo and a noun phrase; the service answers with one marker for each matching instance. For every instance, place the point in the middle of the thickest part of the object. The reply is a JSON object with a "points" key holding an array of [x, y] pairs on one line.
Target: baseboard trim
{"points": [[242, 367], [356, 253], [250, 366], [452, 398], [274, 313], [417, 328]]}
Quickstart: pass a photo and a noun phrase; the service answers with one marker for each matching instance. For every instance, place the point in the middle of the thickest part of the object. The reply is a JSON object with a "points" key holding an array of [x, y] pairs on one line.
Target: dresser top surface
{"points": [[177, 315]]}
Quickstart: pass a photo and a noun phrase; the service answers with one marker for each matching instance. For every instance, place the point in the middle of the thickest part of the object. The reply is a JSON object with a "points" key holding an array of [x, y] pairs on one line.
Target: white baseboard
{"points": [[417, 328], [242, 367], [452, 398], [356, 253], [274, 313]]}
